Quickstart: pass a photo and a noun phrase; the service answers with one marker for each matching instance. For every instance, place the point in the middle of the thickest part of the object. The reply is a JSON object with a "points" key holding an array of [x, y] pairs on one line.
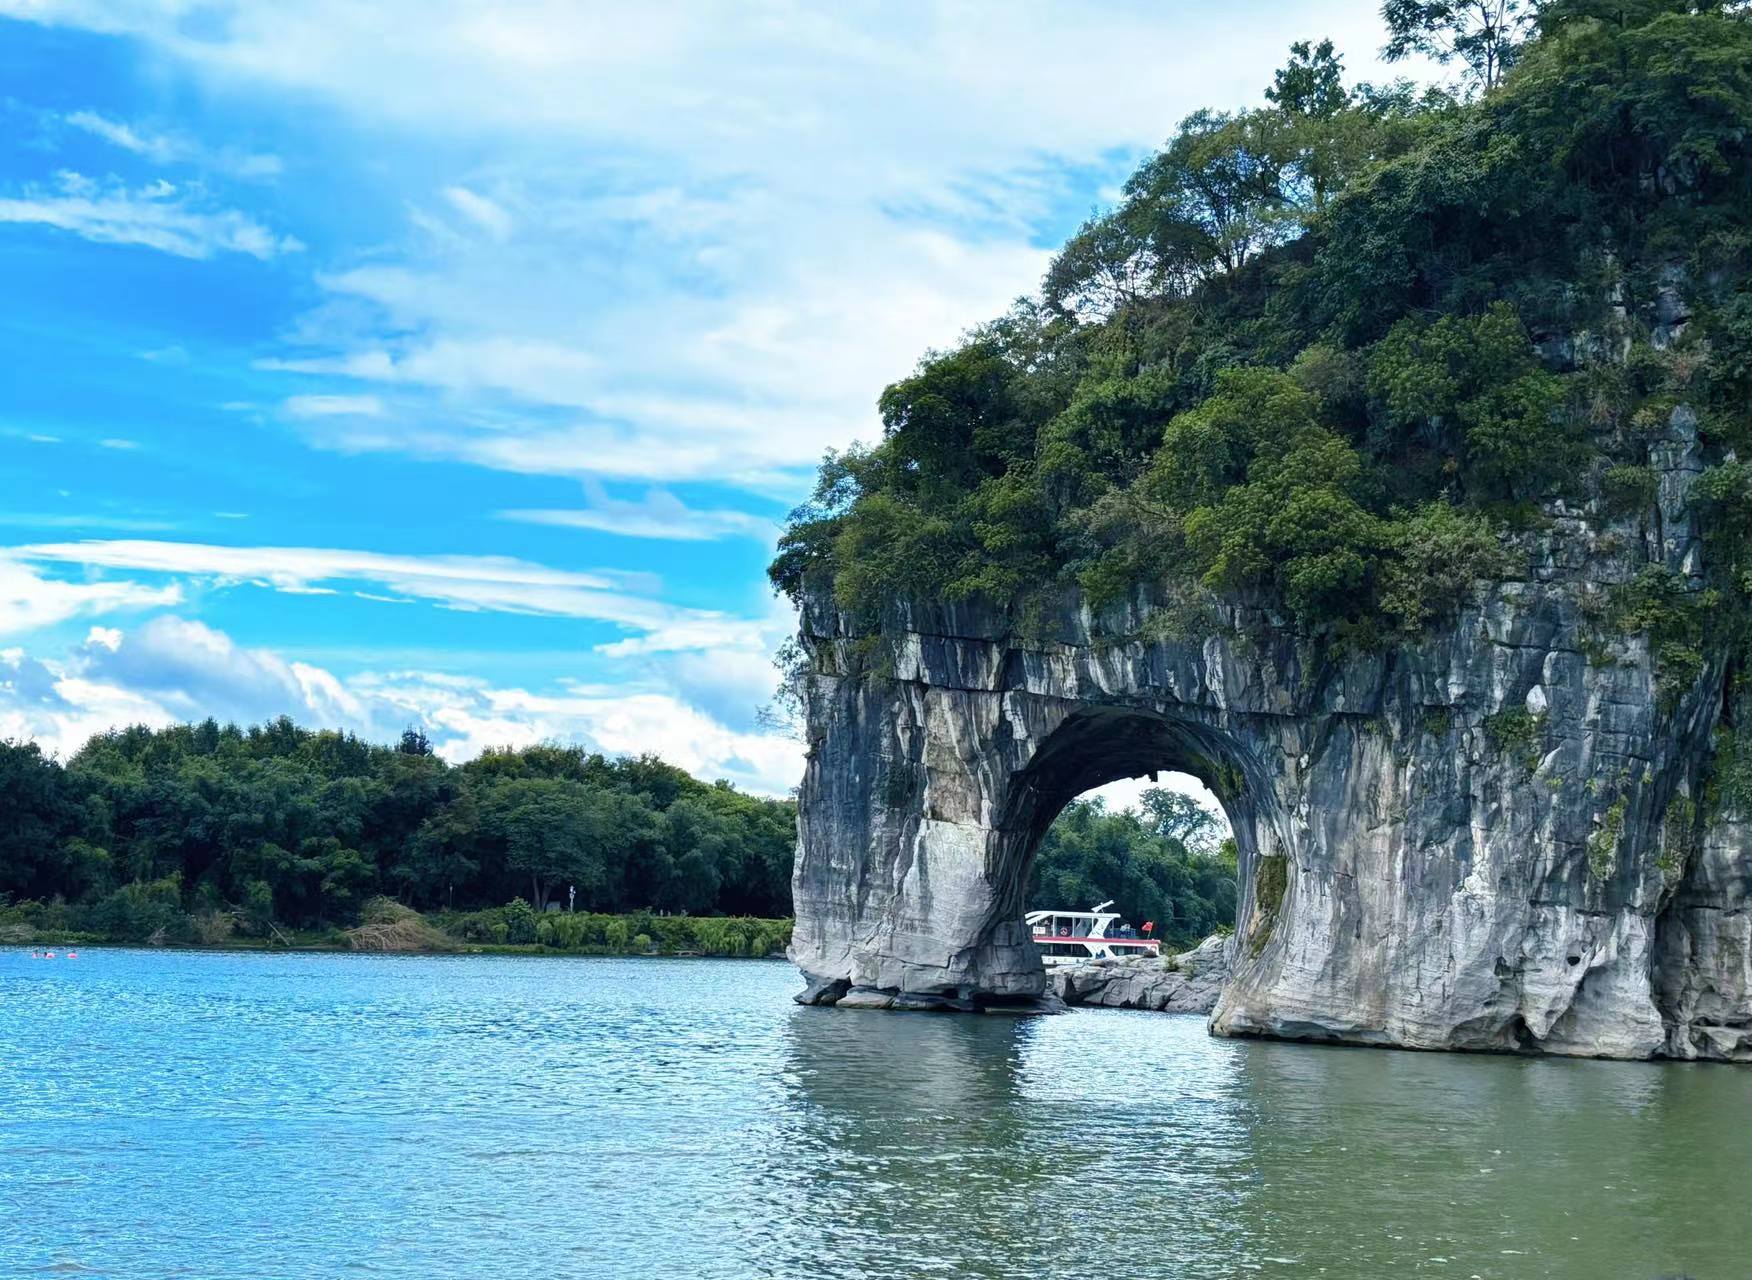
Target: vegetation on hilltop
{"points": [[1329, 353]]}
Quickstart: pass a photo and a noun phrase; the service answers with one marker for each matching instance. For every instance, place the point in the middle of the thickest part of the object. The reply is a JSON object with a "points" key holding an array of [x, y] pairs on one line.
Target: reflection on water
{"points": [[979, 1146], [311, 1115]]}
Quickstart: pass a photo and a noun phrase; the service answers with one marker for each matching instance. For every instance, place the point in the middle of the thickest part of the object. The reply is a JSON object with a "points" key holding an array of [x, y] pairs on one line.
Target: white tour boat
{"points": [[1065, 937]]}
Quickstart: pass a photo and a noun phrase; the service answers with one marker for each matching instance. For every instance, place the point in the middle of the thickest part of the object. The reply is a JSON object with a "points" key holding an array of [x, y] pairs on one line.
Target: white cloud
{"points": [[123, 135], [466, 719], [705, 235], [192, 671], [658, 515], [334, 406], [484, 213], [168, 148], [158, 216], [29, 601], [474, 583], [172, 669]]}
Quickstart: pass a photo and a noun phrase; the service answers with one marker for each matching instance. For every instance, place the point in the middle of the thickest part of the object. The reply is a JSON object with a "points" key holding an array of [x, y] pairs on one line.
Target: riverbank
{"points": [[388, 926]]}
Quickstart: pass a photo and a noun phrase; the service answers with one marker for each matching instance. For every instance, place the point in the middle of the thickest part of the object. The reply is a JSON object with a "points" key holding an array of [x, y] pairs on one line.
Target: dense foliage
{"points": [[1329, 354], [281, 826], [1164, 865]]}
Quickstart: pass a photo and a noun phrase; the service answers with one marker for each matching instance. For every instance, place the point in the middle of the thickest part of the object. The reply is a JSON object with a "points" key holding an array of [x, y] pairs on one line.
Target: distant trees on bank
{"points": [[1170, 863], [208, 832], [279, 826]]}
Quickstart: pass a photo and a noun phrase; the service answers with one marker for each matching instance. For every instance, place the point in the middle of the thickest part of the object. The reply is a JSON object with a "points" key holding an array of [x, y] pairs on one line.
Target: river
{"points": [[238, 1114]]}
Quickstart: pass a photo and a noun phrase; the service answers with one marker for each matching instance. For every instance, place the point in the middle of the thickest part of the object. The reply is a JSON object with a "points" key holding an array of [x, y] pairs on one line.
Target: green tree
{"points": [[1214, 196], [1178, 817], [40, 816], [553, 833], [1483, 35]]}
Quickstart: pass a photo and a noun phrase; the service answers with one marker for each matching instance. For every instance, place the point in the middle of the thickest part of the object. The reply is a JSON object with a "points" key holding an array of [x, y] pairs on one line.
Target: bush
{"points": [[567, 931], [520, 921], [1439, 555], [1517, 732], [140, 912]]}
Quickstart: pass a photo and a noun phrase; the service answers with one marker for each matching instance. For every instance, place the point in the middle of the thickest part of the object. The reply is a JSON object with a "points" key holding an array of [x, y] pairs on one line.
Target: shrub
{"points": [[1439, 554], [1629, 489], [1603, 842], [1516, 731], [520, 920], [140, 912], [567, 931]]}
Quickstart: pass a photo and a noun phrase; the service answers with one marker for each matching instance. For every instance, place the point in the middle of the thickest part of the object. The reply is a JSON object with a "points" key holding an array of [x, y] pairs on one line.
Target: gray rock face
{"points": [[1189, 983], [1491, 839]]}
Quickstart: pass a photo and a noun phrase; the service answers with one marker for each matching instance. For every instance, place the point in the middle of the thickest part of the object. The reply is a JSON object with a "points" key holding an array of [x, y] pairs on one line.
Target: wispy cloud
{"points": [[475, 583], [30, 601], [158, 216], [334, 406], [172, 148], [84, 520], [487, 214], [125, 136], [658, 515]]}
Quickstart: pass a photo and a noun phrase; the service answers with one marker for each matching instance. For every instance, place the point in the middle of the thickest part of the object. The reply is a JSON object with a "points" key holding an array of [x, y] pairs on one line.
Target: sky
{"points": [[455, 365]]}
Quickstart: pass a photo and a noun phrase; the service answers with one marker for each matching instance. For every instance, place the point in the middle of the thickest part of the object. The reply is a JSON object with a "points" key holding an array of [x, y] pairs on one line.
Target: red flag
{"points": [[1149, 926]]}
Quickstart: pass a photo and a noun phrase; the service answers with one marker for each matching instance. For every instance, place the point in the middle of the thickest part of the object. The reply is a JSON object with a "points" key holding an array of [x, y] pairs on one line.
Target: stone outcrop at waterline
{"points": [[1188, 983], [1491, 839]]}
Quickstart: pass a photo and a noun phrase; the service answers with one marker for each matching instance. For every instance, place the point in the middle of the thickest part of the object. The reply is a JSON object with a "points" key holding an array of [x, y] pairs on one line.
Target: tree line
{"points": [[204, 832], [280, 826]]}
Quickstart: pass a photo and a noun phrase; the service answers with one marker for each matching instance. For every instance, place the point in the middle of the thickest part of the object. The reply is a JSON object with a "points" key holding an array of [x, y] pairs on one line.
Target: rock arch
{"points": [[1101, 743], [1418, 868]]}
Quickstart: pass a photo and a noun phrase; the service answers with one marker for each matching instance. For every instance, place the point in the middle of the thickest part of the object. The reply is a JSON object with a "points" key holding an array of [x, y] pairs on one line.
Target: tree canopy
{"points": [[1334, 353], [283, 824]]}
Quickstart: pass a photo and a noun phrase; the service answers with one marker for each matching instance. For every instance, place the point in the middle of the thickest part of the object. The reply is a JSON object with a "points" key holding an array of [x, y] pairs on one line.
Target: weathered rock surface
{"points": [[1188, 983], [1492, 839]]}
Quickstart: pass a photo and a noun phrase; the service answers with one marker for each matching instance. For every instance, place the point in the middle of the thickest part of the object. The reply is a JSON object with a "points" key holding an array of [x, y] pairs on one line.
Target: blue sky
{"points": [[448, 364]]}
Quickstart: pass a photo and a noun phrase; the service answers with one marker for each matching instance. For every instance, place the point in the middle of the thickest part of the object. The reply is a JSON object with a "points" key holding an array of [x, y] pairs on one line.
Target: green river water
{"points": [[178, 1114]]}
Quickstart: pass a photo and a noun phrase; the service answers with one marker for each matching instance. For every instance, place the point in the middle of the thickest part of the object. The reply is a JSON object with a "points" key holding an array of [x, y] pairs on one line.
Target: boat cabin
{"points": [[1066, 937]]}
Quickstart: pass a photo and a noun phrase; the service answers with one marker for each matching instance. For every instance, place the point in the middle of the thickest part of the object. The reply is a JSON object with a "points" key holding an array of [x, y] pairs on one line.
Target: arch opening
{"points": [[1101, 746], [1156, 851]]}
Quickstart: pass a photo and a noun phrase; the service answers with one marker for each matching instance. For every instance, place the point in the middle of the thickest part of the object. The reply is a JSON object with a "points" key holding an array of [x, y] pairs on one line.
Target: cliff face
{"points": [[1492, 839]]}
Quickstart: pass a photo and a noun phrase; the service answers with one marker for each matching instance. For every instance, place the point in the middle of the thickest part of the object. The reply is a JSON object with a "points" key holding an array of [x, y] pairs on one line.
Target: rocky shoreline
{"points": [[1186, 983]]}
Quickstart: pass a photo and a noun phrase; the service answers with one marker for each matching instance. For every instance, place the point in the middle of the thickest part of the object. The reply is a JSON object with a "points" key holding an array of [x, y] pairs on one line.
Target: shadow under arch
{"points": [[1098, 745]]}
